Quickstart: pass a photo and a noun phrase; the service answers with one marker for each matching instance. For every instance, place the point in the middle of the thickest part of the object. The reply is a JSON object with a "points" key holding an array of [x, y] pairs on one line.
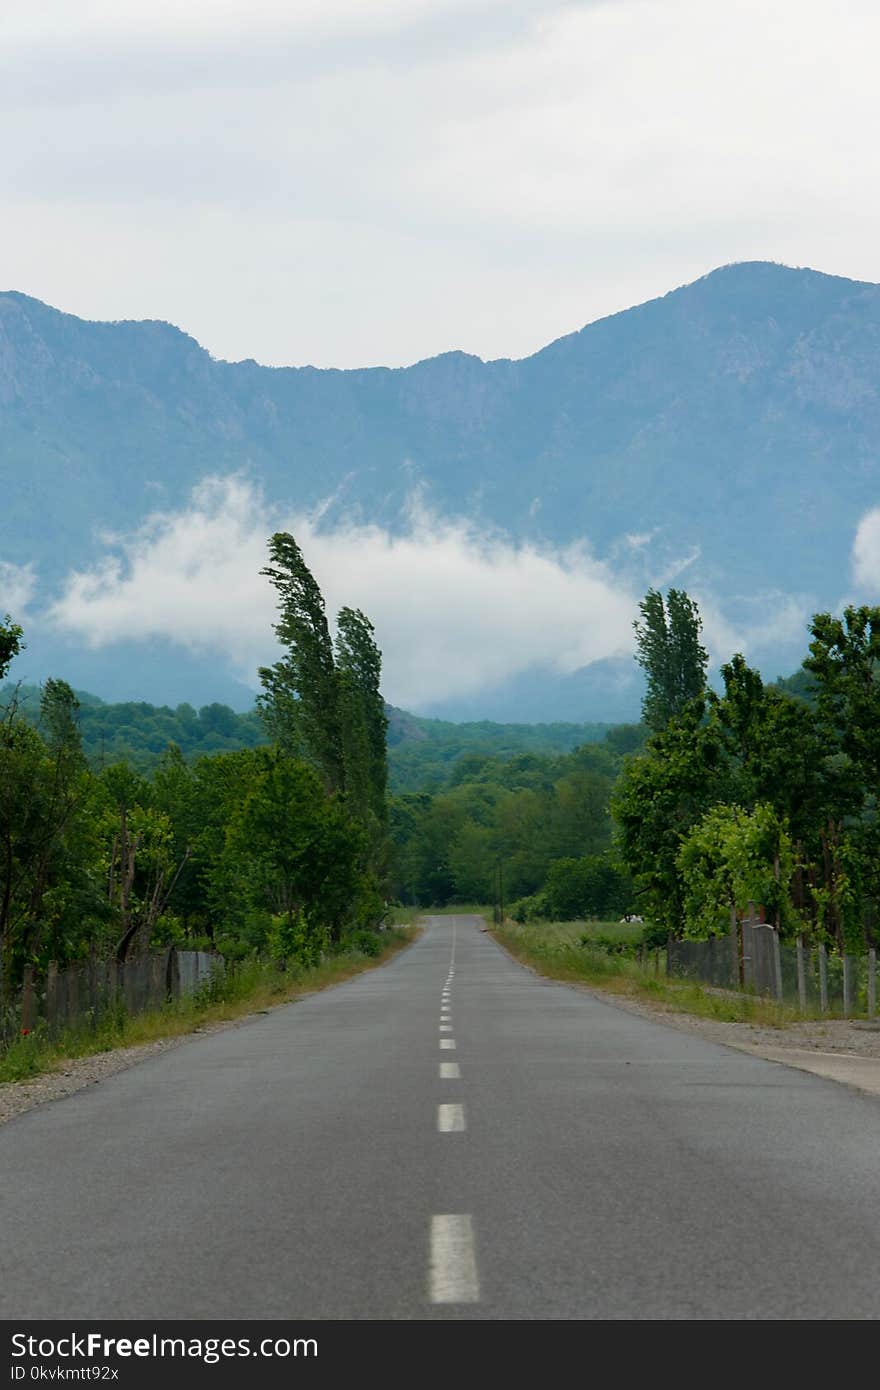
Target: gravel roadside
{"points": [[78, 1072], [838, 1049], [855, 1037]]}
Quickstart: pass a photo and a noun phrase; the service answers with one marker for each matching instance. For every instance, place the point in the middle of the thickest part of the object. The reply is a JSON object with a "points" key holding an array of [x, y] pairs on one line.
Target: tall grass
{"points": [[249, 987], [556, 949]]}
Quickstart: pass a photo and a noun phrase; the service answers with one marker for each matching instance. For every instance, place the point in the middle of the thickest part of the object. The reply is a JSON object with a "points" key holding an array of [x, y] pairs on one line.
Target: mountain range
{"points": [[726, 433]]}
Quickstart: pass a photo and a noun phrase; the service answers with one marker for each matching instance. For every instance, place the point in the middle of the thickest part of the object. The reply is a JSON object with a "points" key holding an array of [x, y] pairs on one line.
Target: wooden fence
{"points": [[751, 956], [81, 995]]}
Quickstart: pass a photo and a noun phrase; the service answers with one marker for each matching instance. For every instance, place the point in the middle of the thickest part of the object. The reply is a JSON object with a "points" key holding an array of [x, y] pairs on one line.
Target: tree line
{"points": [[280, 848], [535, 827], [753, 793], [139, 733]]}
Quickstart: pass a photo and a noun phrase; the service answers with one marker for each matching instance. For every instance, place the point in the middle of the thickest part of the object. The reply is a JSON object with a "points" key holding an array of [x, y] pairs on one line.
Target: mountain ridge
{"points": [[716, 273], [733, 419]]}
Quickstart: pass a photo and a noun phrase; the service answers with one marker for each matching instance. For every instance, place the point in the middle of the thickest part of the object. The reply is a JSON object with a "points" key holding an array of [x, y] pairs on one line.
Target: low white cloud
{"points": [[17, 588], [637, 540], [866, 552], [768, 627], [455, 611]]}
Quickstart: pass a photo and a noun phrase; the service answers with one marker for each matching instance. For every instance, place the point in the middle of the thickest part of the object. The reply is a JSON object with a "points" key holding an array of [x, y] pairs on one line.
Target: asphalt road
{"points": [[445, 1137]]}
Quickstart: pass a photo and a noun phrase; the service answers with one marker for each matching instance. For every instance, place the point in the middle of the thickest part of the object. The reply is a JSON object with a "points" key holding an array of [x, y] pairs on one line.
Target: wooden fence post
{"points": [[872, 982], [777, 966], [733, 937], [823, 978], [93, 985], [72, 996], [801, 976], [52, 996], [28, 1002]]}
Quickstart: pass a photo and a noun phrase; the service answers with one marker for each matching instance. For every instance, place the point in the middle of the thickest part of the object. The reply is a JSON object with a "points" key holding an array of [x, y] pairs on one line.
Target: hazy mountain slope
{"points": [[739, 414], [736, 399]]}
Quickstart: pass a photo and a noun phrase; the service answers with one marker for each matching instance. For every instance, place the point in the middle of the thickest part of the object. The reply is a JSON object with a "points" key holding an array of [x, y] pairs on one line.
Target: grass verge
{"points": [[555, 949], [251, 987]]}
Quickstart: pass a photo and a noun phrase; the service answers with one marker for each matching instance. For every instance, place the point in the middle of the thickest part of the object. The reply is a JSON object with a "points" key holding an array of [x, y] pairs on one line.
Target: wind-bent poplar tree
{"points": [[300, 699], [322, 702], [364, 723]]}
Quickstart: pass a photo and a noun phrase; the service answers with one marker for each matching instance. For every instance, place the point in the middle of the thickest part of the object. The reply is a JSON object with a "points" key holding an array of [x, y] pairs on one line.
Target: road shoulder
{"points": [[842, 1050]]}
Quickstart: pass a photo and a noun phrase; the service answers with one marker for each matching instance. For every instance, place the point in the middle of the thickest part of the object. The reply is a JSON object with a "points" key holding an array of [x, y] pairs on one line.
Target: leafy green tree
{"points": [[221, 784], [175, 795], [526, 811], [778, 751], [732, 857], [848, 877], [26, 832], [662, 793], [300, 699], [592, 886], [363, 720], [296, 850], [406, 819], [844, 662], [11, 644], [671, 653], [142, 866], [472, 863], [49, 881]]}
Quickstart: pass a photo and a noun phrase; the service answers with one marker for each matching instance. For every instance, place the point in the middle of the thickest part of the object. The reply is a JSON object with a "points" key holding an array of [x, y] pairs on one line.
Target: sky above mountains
{"points": [[349, 182]]}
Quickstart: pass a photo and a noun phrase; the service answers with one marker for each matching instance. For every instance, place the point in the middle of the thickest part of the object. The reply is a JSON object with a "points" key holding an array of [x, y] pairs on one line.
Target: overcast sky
{"points": [[350, 182]]}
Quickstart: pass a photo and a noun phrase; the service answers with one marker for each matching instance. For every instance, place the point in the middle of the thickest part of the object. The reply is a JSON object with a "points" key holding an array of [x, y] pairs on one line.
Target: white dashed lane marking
{"points": [[453, 1269], [447, 1042], [450, 1071], [450, 1119]]}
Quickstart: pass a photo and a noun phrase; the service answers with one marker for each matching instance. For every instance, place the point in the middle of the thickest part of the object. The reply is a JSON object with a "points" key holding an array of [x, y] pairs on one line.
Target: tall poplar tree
{"points": [[671, 653], [300, 699], [364, 723]]}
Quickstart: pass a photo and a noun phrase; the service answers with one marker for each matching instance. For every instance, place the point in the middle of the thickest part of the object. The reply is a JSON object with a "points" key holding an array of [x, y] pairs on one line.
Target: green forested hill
{"points": [[139, 733], [801, 684], [424, 754], [427, 754]]}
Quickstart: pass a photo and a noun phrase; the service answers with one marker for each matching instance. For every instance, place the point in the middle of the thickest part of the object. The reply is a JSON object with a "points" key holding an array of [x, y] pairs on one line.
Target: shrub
{"points": [[610, 945], [295, 938], [367, 942], [531, 909]]}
